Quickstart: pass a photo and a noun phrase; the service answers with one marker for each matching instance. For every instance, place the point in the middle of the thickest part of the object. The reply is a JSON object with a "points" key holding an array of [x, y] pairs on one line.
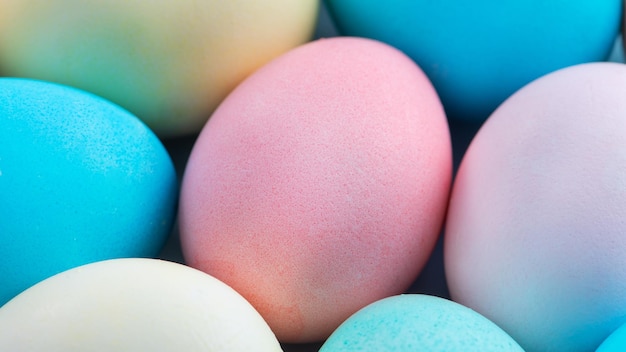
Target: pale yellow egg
{"points": [[133, 305], [170, 62]]}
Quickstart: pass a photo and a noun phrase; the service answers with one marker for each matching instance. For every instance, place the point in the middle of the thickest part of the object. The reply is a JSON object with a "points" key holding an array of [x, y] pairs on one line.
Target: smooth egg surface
{"points": [[416, 322], [478, 53], [616, 342], [81, 180], [133, 305], [320, 184], [535, 231], [168, 62]]}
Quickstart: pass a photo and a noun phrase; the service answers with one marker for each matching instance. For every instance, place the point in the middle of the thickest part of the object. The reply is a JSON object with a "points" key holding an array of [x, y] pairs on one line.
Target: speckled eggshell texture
{"points": [[81, 180], [320, 184], [169, 62], [416, 322], [535, 231], [133, 305]]}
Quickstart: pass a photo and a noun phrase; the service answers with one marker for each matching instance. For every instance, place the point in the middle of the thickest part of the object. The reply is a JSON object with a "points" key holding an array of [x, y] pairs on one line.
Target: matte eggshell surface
{"points": [[81, 180], [477, 53], [133, 305], [616, 342], [416, 322], [535, 231], [170, 62], [320, 184]]}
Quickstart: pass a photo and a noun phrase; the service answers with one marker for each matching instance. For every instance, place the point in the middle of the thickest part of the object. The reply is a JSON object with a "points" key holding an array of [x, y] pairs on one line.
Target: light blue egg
{"points": [[416, 322], [81, 180], [616, 342], [477, 53]]}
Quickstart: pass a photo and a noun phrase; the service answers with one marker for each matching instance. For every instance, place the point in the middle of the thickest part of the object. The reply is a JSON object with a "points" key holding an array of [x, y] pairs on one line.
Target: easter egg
{"points": [[478, 53], [416, 322], [319, 185], [169, 62], [535, 230], [616, 342], [81, 180], [132, 305]]}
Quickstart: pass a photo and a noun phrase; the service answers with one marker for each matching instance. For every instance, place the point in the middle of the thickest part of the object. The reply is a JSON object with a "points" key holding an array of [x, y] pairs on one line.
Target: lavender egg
{"points": [[535, 231]]}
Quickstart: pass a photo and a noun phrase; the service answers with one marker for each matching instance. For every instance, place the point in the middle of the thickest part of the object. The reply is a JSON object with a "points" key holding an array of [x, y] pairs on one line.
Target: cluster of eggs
{"points": [[321, 175]]}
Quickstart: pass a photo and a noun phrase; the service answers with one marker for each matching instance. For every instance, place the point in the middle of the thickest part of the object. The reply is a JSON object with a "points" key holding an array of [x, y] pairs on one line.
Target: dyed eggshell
{"points": [[480, 52], [320, 184], [81, 180], [133, 305], [416, 322], [169, 62], [616, 342], [535, 231], [623, 30]]}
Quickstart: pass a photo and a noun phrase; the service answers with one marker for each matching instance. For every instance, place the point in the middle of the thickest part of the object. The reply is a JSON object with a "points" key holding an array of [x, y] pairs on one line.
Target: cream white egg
{"points": [[132, 305]]}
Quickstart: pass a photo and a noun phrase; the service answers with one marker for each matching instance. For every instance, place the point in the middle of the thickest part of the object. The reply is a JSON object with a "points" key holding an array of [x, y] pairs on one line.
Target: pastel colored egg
{"points": [[416, 322], [616, 342], [478, 53], [81, 180], [132, 305], [623, 41], [320, 184], [535, 231], [169, 62]]}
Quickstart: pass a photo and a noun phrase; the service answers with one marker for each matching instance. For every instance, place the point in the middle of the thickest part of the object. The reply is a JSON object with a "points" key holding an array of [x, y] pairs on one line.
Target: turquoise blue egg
{"points": [[616, 342], [416, 322], [81, 180], [477, 53]]}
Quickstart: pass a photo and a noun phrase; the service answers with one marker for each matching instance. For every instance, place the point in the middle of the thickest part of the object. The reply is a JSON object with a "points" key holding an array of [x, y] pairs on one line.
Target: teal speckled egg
{"points": [[81, 180], [416, 322]]}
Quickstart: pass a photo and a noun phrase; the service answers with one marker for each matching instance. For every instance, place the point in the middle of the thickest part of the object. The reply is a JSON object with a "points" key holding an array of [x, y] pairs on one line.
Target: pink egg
{"points": [[320, 184], [536, 231]]}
